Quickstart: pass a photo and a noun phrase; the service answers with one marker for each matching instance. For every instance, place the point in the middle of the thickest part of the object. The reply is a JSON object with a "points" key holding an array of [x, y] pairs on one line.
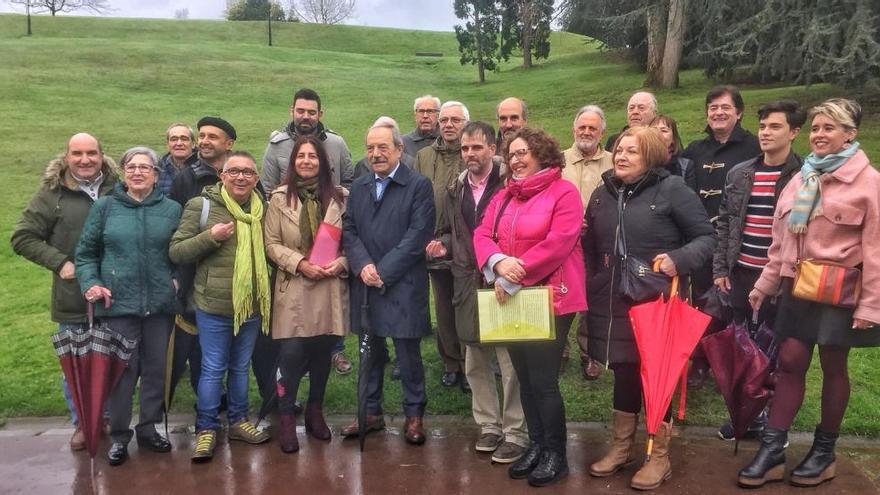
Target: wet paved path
{"points": [[34, 459]]}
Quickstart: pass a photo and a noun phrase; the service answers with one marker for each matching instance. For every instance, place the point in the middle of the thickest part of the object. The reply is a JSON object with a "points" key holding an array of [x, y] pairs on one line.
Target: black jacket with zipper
{"points": [[661, 215], [732, 213]]}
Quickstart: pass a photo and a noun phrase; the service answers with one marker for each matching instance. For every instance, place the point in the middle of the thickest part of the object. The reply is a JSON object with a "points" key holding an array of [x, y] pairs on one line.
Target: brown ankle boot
{"points": [[315, 424], [620, 454], [287, 433], [658, 468]]}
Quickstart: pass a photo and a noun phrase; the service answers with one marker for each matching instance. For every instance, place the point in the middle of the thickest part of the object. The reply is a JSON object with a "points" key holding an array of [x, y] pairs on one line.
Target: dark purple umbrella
{"points": [[741, 370]]}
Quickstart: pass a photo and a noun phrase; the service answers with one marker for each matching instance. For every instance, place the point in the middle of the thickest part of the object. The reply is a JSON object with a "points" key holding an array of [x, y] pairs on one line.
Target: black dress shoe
{"points": [[526, 464], [449, 378], [155, 443], [117, 454], [552, 467]]}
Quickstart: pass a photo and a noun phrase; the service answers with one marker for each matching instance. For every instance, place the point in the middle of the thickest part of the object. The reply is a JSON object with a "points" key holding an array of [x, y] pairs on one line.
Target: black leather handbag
{"points": [[639, 281]]}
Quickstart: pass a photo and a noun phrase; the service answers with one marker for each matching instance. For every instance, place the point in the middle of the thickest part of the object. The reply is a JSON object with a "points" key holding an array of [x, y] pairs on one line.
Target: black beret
{"points": [[218, 123]]}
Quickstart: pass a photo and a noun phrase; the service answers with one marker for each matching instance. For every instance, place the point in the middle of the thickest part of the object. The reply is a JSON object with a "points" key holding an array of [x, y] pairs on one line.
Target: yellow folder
{"points": [[527, 316]]}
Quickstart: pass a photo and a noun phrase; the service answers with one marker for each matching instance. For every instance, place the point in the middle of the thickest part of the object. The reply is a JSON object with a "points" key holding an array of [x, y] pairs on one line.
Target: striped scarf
{"points": [[808, 198], [250, 262]]}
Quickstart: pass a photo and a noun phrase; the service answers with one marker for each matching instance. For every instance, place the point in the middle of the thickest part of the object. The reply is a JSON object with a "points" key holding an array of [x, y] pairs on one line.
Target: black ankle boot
{"points": [[819, 464], [552, 467], [526, 464], [769, 462]]}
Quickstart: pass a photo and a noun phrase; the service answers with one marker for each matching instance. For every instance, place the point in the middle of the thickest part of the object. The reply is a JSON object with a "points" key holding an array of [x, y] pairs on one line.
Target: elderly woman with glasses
{"points": [[530, 236], [122, 266]]}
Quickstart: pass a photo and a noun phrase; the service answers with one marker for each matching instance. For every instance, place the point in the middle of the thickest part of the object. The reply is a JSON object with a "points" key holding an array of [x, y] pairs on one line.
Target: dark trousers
{"points": [[742, 281], [412, 376], [147, 362], [186, 349], [628, 389], [448, 345], [298, 356], [264, 363], [537, 367]]}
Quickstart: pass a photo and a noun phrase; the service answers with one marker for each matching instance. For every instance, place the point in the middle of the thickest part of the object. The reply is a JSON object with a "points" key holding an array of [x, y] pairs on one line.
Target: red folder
{"points": [[326, 246]]}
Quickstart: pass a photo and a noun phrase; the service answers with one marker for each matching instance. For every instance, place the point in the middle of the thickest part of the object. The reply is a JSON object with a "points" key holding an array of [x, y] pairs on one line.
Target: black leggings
{"points": [[537, 368], [299, 355], [791, 372], [628, 389]]}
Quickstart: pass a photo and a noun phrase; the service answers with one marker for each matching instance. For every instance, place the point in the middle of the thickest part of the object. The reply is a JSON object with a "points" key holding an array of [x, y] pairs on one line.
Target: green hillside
{"points": [[125, 80]]}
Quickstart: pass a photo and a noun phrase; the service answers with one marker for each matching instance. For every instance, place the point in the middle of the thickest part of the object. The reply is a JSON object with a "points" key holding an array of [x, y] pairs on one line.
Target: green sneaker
{"points": [[204, 449], [246, 432]]}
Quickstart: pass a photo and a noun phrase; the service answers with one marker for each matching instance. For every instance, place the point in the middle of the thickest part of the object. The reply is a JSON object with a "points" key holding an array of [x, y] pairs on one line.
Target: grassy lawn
{"points": [[125, 80]]}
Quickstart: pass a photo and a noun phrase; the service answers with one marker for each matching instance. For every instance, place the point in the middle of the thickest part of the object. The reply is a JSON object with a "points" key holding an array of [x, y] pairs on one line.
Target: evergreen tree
{"points": [[479, 40], [796, 41], [528, 22]]}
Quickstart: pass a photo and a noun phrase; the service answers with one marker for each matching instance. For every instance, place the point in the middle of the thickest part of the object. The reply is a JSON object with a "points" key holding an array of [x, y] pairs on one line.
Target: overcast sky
{"points": [[434, 15]]}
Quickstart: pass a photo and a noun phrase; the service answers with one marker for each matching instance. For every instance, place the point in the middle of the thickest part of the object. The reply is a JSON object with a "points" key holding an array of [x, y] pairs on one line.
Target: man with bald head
{"points": [[512, 114], [49, 229], [640, 111]]}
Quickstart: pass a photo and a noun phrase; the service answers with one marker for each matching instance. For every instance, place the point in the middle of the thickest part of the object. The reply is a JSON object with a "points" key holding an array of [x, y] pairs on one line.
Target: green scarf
{"points": [[250, 262], [310, 214], [808, 198]]}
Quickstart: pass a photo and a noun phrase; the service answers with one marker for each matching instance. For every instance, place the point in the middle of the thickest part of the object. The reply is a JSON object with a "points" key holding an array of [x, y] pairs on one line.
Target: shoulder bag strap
{"points": [[498, 217]]}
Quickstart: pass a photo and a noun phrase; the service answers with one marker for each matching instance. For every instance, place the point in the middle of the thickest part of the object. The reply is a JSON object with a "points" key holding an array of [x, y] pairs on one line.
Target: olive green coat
{"points": [[49, 229], [215, 261]]}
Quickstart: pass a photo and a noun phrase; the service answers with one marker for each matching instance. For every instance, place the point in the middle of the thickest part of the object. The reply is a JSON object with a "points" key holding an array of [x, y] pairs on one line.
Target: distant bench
{"points": [[429, 54]]}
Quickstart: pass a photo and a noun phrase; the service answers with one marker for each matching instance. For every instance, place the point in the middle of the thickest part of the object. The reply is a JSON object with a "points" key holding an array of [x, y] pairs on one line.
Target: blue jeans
{"points": [[221, 353]]}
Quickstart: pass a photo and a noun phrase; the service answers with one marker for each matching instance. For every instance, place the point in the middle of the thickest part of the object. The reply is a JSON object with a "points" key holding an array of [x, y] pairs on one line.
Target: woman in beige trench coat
{"points": [[310, 308]]}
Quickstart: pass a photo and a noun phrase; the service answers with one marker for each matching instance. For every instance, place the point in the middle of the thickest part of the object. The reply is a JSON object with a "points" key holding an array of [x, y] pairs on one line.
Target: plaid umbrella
{"points": [[93, 359]]}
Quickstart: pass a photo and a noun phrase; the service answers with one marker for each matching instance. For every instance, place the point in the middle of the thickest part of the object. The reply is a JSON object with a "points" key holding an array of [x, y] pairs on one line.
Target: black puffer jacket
{"points": [[732, 214], [661, 215]]}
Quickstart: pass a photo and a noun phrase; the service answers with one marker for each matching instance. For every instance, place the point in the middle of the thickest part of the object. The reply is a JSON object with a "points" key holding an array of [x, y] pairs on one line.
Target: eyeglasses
{"points": [[518, 154], [131, 169], [181, 139], [454, 120], [247, 173], [427, 111]]}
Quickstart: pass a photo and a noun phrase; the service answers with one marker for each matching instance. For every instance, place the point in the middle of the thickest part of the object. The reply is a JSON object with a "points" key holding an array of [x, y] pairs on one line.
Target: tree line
{"points": [[794, 41]]}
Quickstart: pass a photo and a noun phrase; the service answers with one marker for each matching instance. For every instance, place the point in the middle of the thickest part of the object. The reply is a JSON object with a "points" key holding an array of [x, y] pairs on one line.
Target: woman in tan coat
{"points": [[310, 309]]}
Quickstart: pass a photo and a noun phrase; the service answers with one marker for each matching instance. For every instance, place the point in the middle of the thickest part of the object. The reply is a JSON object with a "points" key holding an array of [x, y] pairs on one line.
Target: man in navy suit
{"points": [[389, 221]]}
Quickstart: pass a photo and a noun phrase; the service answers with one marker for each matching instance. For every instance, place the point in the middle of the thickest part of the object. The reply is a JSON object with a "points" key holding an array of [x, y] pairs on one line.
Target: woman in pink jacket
{"points": [[832, 207], [530, 236]]}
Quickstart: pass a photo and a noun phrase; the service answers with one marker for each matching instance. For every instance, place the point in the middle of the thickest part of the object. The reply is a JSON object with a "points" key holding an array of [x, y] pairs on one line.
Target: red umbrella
{"points": [[666, 332], [741, 370], [93, 359]]}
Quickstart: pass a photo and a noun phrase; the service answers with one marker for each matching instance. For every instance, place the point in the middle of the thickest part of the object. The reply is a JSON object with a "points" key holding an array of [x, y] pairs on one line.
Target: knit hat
{"points": [[218, 123]]}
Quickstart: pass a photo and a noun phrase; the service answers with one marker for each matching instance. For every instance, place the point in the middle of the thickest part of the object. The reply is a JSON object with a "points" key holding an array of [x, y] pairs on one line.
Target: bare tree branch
{"points": [[55, 6], [322, 11]]}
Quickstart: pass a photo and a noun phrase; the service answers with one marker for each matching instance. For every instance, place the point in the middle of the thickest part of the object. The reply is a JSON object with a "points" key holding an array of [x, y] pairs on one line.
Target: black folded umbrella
{"points": [[366, 362]]}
